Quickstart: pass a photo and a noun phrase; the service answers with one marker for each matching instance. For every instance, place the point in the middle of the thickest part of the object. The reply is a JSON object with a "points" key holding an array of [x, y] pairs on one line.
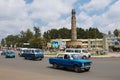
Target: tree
{"points": [[3, 42], [94, 33], [47, 36], [64, 33], [29, 35], [54, 34], [37, 32], [116, 32], [26, 35], [11, 40], [36, 42], [80, 33]]}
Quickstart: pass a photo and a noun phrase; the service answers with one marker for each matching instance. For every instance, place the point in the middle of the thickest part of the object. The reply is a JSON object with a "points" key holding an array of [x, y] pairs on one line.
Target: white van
{"points": [[83, 53]]}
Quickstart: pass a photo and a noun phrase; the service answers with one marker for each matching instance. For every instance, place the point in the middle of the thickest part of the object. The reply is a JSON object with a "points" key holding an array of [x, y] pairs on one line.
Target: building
{"points": [[104, 43], [90, 44]]}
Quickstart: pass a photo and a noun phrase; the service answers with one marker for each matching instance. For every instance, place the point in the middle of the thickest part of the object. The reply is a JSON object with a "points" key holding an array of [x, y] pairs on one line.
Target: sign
{"points": [[26, 43], [49, 45], [55, 44], [62, 45]]}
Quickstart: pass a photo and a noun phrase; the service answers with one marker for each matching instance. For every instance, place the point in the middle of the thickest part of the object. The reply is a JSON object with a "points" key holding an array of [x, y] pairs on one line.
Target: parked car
{"points": [[4, 53], [10, 55], [71, 61], [83, 52], [33, 54]]}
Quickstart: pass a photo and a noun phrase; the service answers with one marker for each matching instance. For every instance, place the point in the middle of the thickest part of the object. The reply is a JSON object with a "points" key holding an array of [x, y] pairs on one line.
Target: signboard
{"points": [[116, 43], [49, 45], [55, 44], [62, 45], [26, 43]]}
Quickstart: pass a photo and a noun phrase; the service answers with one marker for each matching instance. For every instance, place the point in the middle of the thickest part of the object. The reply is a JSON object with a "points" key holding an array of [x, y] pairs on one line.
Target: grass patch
{"points": [[51, 53], [98, 53]]}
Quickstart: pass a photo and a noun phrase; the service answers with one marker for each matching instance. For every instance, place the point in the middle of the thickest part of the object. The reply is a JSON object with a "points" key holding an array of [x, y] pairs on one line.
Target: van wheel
{"points": [[55, 65], [84, 57]]}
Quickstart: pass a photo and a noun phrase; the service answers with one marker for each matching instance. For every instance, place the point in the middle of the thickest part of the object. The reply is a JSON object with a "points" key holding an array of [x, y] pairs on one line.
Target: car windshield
{"points": [[10, 53], [75, 56]]}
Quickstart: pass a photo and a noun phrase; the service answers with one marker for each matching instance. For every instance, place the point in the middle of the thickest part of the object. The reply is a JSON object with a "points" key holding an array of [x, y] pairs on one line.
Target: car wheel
{"points": [[25, 58], [55, 65], [76, 69], [89, 56]]}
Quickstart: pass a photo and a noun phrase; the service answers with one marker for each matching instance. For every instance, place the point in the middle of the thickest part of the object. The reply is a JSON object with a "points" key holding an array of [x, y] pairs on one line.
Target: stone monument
{"points": [[73, 26], [73, 43]]}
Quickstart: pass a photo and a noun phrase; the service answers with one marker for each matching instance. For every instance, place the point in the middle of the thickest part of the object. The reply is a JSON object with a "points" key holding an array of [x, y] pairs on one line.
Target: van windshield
{"points": [[37, 51]]}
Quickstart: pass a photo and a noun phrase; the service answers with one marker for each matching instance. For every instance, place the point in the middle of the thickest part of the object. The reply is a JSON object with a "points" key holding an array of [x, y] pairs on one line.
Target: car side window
{"points": [[66, 56]]}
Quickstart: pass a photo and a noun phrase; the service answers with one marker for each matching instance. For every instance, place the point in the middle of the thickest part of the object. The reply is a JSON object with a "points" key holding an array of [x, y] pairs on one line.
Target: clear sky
{"points": [[18, 15]]}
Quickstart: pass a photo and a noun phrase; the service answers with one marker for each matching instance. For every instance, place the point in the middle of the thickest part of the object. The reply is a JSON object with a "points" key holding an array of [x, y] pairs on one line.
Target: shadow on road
{"points": [[64, 69]]}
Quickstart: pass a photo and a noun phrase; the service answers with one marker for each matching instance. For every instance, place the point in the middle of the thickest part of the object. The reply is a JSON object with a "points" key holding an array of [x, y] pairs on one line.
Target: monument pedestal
{"points": [[73, 44]]}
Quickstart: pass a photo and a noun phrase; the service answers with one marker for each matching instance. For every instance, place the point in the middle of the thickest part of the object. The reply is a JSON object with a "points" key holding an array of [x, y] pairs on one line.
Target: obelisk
{"points": [[73, 26]]}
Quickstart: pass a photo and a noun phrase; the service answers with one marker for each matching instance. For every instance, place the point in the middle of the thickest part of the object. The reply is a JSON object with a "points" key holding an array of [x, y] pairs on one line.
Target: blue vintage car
{"points": [[10, 55], [71, 61]]}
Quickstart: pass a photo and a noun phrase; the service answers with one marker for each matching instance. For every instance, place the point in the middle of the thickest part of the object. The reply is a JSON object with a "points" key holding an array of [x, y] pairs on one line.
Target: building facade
{"points": [[104, 43]]}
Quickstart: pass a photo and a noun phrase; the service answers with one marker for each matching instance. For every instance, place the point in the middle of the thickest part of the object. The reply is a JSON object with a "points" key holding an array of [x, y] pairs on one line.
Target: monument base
{"points": [[74, 44]]}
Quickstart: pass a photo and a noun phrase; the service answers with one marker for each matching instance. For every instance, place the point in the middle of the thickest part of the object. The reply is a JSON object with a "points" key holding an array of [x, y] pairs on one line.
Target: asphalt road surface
{"points": [[20, 69]]}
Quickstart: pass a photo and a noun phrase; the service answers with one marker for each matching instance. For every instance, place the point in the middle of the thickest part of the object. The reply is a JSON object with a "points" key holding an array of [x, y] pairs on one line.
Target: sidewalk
{"points": [[113, 54], [110, 54]]}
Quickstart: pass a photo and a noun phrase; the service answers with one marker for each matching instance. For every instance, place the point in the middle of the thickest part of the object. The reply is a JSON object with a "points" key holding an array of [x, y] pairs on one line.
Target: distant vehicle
{"points": [[21, 51], [33, 54], [83, 53], [10, 55], [71, 61], [4, 53]]}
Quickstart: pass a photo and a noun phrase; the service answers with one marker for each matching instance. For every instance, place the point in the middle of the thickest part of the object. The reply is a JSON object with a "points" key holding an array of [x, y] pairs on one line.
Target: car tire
{"points": [[76, 69], [55, 65]]}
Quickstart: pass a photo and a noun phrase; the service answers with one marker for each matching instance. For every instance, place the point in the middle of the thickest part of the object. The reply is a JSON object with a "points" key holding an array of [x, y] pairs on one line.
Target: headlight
{"points": [[83, 65]]}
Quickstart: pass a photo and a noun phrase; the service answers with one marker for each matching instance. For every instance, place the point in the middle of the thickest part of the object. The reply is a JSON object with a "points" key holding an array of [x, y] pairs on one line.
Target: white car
{"points": [[83, 53]]}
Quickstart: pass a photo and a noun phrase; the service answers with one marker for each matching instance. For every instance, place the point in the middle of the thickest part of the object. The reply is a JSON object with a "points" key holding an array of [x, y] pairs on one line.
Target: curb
{"points": [[105, 56]]}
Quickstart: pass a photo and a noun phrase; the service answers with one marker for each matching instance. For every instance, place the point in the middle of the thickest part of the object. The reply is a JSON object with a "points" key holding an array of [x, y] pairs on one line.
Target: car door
{"points": [[60, 59], [67, 62]]}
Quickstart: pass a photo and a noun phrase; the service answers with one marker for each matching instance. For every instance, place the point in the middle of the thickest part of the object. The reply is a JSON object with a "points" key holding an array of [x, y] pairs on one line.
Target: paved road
{"points": [[20, 69]]}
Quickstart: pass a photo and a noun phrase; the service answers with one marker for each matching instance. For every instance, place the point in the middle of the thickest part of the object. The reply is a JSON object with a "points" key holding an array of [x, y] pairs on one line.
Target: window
{"points": [[66, 56]]}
